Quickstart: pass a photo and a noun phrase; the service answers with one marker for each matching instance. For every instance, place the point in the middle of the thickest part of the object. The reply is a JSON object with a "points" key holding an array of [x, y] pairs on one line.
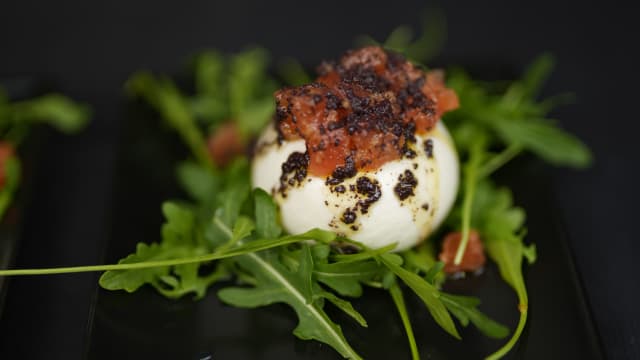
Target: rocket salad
{"points": [[16, 120]]}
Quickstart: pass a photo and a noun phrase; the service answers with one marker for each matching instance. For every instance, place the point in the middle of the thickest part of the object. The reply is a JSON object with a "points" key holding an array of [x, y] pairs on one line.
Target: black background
{"points": [[89, 49]]}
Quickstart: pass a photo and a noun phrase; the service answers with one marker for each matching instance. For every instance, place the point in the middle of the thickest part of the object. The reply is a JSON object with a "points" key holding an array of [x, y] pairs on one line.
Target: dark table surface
{"points": [[89, 49]]}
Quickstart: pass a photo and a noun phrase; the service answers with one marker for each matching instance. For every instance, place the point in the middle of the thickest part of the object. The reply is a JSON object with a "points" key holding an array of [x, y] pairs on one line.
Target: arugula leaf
{"points": [[513, 118], [266, 213], [131, 280], [178, 241], [186, 279], [547, 141], [255, 116], [231, 200], [242, 229], [536, 75], [464, 308], [343, 305], [398, 300], [432, 276], [305, 271], [293, 73], [431, 39], [210, 103], [209, 73], [367, 254], [178, 228], [422, 259], [199, 182], [346, 277], [500, 227], [471, 169], [399, 39], [12, 173], [163, 94], [250, 90], [58, 111], [426, 292], [276, 284]]}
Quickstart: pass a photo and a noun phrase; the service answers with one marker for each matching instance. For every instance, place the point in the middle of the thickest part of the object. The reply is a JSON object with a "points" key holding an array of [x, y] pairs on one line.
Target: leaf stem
{"points": [[398, 300], [514, 338], [499, 160], [227, 231], [470, 181], [240, 250]]}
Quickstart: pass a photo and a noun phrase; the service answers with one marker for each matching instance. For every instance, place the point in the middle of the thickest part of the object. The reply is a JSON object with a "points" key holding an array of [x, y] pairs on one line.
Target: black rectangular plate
{"points": [[144, 325]]}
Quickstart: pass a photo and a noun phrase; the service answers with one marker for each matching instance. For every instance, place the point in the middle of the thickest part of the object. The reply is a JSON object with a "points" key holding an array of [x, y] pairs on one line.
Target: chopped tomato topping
{"points": [[225, 143], [473, 258], [367, 107], [6, 151]]}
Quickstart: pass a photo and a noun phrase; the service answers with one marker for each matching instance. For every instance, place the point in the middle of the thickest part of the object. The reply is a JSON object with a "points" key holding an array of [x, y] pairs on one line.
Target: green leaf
{"points": [[266, 213], [546, 141], [398, 300], [163, 94], [188, 280], [320, 253], [293, 72], [231, 200], [54, 109], [264, 244], [500, 226], [537, 74], [432, 37], [243, 227], [420, 50], [12, 173], [422, 258], [471, 174], [434, 272], [131, 280], [305, 272], [255, 116], [276, 284], [247, 77], [345, 306], [209, 74], [198, 181], [427, 293], [367, 254], [346, 277], [465, 309], [183, 256], [399, 39], [179, 226]]}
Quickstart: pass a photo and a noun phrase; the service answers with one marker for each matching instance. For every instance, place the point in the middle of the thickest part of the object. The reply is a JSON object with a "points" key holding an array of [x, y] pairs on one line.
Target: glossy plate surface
{"points": [[13, 219]]}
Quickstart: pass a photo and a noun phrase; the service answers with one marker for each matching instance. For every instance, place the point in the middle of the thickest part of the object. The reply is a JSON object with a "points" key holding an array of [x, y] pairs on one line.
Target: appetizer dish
{"points": [[353, 152], [377, 174]]}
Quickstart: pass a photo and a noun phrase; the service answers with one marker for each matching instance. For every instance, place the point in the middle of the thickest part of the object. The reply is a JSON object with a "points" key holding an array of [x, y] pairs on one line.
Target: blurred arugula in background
{"points": [[421, 49], [16, 120], [228, 89]]}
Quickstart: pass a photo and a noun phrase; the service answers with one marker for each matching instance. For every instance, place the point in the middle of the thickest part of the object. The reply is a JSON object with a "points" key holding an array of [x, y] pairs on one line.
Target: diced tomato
{"points": [[367, 105], [6, 151], [225, 143], [473, 259]]}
